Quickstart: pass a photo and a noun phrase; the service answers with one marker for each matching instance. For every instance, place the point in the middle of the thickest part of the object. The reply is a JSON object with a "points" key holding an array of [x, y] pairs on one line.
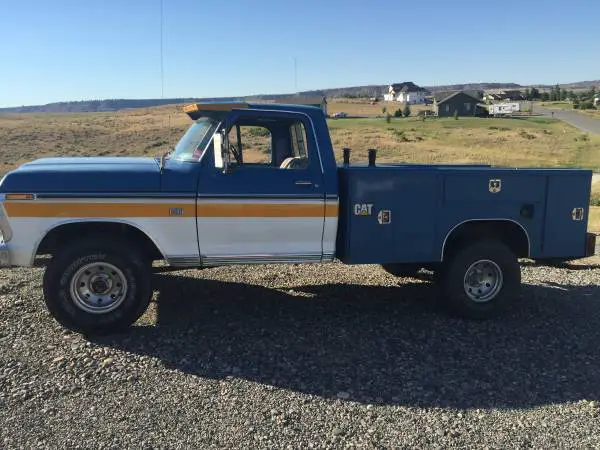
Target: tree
{"points": [[406, 112], [455, 115], [388, 117], [535, 93], [527, 94], [563, 94], [545, 96], [398, 113], [556, 91]]}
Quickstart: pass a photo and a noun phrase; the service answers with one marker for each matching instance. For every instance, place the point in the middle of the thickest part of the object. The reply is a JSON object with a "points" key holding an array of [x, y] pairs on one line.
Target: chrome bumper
{"points": [[4, 255]]}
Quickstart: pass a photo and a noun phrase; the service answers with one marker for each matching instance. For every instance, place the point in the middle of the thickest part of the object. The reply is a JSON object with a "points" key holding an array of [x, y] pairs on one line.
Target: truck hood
{"points": [[84, 174]]}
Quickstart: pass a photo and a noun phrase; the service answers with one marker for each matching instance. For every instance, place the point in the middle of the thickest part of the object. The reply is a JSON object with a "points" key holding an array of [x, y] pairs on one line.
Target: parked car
{"points": [[340, 115]]}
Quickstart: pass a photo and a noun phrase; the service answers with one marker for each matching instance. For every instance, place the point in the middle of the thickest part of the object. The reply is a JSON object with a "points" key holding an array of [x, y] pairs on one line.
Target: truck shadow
{"points": [[375, 344]]}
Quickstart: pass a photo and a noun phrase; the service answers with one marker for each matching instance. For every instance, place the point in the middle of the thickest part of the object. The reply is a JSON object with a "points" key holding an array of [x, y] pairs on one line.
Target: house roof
{"points": [[441, 97], [407, 86], [501, 94]]}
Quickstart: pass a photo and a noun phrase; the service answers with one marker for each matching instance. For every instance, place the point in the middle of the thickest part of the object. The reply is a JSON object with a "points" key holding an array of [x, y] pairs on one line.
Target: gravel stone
{"points": [[306, 356]]}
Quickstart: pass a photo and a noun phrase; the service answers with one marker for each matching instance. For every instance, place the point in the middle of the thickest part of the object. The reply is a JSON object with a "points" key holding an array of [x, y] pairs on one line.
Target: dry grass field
{"points": [[24, 137], [594, 219], [362, 108], [529, 141]]}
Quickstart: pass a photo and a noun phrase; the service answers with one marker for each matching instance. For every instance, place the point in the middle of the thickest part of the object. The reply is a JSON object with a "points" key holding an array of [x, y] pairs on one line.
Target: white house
{"points": [[597, 100], [406, 92]]}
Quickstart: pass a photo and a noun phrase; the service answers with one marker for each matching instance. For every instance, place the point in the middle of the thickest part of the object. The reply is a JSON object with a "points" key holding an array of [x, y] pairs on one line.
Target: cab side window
{"points": [[275, 143], [253, 142]]}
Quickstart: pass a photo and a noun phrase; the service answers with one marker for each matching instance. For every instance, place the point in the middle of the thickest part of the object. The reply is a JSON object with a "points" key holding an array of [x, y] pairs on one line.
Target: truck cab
{"points": [[258, 183], [267, 191]]}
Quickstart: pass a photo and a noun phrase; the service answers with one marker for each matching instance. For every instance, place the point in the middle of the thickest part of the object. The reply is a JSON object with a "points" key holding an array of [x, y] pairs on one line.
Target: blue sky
{"points": [[58, 50]]}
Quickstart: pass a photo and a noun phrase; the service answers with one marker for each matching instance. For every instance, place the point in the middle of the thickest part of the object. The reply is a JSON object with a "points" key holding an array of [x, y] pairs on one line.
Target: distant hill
{"points": [[103, 105], [379, 89], [577, 86], [352, 91]]}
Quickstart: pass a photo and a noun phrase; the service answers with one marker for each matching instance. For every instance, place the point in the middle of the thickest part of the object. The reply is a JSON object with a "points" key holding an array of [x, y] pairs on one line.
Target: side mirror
{"points": [[221, 151]]}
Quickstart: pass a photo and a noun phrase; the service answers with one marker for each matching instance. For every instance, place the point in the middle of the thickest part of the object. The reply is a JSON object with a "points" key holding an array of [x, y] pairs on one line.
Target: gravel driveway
{"points": [[294, 358]]}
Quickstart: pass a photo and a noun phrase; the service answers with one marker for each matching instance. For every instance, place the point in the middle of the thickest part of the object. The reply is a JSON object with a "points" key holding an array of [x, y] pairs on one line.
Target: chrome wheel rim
{"points": [[98, 287], [483, 280]]}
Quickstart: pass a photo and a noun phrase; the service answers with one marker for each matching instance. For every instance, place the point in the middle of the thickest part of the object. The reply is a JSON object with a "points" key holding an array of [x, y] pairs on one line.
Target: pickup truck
{"points": [[258, 183]]}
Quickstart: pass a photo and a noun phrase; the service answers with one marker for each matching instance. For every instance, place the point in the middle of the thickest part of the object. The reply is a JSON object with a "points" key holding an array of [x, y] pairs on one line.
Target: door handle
{"points": [[303, 183]]}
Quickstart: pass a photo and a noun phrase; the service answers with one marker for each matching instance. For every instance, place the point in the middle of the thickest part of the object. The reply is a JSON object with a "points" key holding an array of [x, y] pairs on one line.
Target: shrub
{"points": [[525, 135], [398, 113], [258, 131], [455, 115], [388, 117], [406, 112], [383, 110]]}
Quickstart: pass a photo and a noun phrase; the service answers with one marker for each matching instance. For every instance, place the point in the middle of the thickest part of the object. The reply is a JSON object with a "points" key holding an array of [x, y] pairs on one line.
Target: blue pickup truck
{"points": [[259, 184]]}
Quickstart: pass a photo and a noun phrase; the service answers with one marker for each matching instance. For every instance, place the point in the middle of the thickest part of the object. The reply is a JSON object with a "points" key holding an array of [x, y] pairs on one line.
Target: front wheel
{"points": [[480, 281], [97, 285]]}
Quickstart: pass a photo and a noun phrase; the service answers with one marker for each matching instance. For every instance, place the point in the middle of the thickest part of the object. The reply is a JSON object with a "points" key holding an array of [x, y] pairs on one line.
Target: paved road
{"points": [[581, 121]]}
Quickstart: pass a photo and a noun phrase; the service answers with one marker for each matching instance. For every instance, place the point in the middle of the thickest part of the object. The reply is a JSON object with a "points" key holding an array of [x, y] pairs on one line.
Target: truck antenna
{"points": [[162, 66], [295, 76]]}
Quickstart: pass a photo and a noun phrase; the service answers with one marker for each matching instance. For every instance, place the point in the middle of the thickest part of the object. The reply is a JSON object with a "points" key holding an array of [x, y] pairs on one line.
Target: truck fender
{"points": [[95, 221], [482, 222]]}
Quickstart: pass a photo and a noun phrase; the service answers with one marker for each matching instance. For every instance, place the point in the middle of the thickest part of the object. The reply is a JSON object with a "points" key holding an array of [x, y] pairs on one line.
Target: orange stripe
{"points": [[331, 209], [260, 210], [35, 209]]}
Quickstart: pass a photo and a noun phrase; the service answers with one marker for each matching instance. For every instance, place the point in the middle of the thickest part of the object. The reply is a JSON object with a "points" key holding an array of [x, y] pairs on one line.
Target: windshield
{"points": [[192, 144]]}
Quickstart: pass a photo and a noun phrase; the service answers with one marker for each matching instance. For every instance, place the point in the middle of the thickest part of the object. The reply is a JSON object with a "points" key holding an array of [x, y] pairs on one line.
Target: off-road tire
{"points": [[97, 248], [452, 279]]}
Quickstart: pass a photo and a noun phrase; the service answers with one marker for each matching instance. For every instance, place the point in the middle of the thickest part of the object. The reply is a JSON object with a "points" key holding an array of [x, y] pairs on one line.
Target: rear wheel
{"points": [[480, 281], [97, 285]]}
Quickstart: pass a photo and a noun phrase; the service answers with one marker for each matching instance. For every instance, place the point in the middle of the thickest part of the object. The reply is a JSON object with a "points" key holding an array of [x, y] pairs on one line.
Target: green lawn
{"points": [[557, 105]]}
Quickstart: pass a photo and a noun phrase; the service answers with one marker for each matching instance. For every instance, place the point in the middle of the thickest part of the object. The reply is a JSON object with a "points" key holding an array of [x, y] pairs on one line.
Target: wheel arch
{"points": [[509, 231], [57, 234]]}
